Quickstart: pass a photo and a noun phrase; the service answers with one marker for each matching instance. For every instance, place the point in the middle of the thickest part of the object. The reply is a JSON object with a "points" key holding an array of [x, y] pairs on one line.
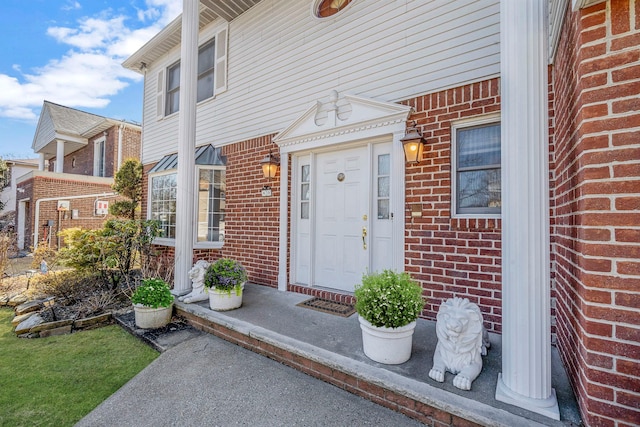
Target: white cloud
{"points": [[90, 72], [72, 5]]}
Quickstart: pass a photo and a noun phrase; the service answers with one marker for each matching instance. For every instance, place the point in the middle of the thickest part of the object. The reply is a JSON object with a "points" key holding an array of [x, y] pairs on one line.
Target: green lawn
{"points": [[55, 381]]}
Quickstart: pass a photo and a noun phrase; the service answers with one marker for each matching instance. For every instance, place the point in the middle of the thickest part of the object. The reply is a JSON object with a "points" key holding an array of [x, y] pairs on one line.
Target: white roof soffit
{"points": [[171, 35]]}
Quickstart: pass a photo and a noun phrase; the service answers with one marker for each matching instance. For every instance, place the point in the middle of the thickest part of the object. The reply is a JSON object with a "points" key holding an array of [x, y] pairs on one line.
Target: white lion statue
{"points": [[462, 341], [196, 274]]}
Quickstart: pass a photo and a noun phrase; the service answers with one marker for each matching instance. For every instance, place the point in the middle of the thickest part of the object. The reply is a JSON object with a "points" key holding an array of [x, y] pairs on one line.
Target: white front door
{"points": [[342, 212], [343, 225]]}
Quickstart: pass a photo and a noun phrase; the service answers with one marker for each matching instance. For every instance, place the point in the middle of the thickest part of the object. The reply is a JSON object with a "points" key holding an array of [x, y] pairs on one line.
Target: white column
{"points": [[186, 186], [525, 380], [284, 226], [59, 156], [41, 162]]}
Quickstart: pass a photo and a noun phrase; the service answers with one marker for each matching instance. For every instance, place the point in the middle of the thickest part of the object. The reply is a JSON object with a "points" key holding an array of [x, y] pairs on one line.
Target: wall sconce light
{"points": [[413, 145], [270, 166]]}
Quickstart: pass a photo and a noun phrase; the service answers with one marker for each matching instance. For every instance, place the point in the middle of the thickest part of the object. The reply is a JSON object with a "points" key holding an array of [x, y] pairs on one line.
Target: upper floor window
{"points": [[173, 89], [206, 61], [212, 75], [476, 160], [326, 8]]}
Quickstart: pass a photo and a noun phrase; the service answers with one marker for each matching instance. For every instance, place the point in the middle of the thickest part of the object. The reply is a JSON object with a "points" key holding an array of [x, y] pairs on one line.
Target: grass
{"points": [[57, 380]]}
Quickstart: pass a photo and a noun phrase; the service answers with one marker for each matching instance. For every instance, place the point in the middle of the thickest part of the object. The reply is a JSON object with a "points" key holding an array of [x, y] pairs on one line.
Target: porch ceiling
{"points": [[171, 35]]}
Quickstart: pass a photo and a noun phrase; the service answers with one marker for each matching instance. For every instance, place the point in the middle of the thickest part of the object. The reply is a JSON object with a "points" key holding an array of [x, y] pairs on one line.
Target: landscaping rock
{"points": [[17, 300], [26, 326], [51, 325], [28, 307], [64, 330], [19, 319], [4, 300], [90, 321]]}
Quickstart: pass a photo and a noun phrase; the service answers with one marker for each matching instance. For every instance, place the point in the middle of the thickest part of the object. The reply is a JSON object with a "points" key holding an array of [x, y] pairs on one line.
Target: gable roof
{"points": [[73, 126]]}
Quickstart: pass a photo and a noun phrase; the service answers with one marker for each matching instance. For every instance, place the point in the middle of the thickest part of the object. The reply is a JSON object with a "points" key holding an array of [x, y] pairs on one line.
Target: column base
{"points": [[547, 407]]}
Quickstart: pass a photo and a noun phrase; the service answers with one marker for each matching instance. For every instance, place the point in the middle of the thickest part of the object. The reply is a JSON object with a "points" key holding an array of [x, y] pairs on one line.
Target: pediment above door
{"points": [[340, 119]]}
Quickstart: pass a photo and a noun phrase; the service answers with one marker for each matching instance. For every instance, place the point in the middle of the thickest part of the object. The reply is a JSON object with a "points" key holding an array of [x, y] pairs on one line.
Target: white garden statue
{"points": [[462, 341], [196, 274]]}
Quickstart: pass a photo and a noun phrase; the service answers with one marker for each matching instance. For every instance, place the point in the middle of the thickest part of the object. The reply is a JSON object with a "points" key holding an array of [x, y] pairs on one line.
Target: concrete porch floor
{"points": [[329, 347]]}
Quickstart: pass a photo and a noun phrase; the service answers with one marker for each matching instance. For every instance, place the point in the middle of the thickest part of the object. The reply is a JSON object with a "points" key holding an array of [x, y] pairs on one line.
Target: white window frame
{"points": [[167, 241], [455, 127], [207, 244], [176, 89], [163, 241], [100, 156]]}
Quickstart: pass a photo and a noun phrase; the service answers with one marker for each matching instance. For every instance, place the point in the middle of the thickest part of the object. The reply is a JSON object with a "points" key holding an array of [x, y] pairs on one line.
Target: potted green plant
{"points": [[152, 304], [224, 280], [388, 305]]}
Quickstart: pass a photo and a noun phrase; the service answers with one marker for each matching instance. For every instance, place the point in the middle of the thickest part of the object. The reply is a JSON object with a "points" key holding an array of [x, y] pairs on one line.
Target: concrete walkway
{"points": [[206, 381], [176, 388]]}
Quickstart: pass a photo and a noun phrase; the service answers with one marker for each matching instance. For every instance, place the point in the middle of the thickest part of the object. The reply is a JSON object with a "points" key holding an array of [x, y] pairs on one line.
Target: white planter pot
{"points": [[222, 300], [152, 318], [391, 346]]}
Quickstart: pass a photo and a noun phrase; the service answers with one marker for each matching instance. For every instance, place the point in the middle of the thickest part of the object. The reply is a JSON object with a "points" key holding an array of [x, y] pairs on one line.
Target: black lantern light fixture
{"points": [[270, 166], [413, 145]]}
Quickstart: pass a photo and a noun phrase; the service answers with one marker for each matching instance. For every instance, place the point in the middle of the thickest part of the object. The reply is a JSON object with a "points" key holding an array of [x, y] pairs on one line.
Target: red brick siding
{"points": [[596, 199], [451, 256], [42, 187], [131, 140]]}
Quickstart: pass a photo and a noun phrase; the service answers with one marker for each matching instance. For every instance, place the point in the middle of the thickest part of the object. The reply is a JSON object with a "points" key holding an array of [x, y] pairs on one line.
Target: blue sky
{"points": [[69, 52]]}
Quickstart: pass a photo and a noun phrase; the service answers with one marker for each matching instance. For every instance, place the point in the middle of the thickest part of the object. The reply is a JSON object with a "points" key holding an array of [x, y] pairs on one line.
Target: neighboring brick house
{"points": [[525, 199], [79, 154], [15, 168]]}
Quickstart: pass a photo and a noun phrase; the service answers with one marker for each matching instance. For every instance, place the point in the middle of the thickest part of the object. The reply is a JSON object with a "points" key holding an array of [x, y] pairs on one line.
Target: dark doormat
{"points": [[326, 306]]}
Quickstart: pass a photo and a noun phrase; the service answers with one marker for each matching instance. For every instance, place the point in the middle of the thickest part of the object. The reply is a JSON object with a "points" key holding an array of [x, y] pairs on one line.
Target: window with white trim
{"points": [[211, 204], [162, 202], [212, 75], [173, 89], [99, 157], [476, 183]]}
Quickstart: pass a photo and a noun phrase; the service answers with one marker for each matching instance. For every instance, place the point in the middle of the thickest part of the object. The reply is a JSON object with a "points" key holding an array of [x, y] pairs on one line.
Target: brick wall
{"points": [[81, 162], [45, 187], [596, 200], [451, 256]]}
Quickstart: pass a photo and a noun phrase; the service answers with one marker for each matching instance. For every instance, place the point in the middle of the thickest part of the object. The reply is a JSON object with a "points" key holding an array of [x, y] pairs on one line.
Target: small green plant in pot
{"points": [[388, 305], [224, 280], [152, 304]]}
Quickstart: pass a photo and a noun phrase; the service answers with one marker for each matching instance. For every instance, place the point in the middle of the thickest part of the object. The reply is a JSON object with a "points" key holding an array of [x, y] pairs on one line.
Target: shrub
{"points": [[389, 299], [225, 274], [153, 293]]}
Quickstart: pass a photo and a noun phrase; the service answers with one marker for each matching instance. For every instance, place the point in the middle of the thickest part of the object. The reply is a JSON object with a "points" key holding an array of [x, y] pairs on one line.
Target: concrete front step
{"points": [[417, 399]]}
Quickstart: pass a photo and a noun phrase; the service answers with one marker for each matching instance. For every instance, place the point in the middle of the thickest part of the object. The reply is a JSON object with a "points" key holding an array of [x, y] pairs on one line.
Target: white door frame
{"points": [[336, 124]]}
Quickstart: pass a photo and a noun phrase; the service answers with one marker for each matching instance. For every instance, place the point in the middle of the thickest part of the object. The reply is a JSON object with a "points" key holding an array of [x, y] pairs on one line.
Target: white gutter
{"points": [[50, 199]]}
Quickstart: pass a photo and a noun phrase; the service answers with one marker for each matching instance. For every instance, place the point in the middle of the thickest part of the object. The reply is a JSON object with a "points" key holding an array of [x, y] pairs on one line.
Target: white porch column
{"points": [[59, 156], [186, 186], [525, 380], [41, 162], [284, 225]]}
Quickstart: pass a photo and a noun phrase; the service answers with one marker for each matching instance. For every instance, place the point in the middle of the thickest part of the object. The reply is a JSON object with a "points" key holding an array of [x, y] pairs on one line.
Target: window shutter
{"points": [[221, 60], [160, 95]]}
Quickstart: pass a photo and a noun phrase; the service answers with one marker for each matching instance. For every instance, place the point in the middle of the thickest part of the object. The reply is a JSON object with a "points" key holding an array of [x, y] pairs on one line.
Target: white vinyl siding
{"points": [[281, 60]]}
